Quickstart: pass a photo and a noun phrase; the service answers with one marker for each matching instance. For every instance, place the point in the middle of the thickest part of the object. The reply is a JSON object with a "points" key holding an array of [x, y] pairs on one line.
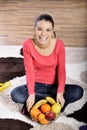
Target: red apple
{"points": [[50, 115]]}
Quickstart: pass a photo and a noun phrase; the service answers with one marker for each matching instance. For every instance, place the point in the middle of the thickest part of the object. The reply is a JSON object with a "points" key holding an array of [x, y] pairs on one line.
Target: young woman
{"points": [[44, 61]]}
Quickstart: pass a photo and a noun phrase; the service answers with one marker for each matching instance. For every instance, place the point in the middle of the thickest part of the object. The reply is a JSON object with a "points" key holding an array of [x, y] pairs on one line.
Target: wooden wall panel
{"points": [[17, 20]]}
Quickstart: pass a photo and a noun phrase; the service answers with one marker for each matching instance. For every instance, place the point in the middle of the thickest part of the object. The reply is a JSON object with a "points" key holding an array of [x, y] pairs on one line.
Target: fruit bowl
{"points": [[45, 111]]}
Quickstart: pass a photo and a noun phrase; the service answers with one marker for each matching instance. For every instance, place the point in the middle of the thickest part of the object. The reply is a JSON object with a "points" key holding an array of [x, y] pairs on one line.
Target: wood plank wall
{"points": [[17, 20]]}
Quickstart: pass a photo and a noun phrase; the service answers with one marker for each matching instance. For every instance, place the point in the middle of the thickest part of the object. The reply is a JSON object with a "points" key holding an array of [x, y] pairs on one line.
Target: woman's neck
{"points": [[45, 49], [42, 46]]}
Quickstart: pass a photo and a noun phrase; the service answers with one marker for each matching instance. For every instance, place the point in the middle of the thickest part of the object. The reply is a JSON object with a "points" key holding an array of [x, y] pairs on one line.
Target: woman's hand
{"points": [[60, 99], [30, 101]]}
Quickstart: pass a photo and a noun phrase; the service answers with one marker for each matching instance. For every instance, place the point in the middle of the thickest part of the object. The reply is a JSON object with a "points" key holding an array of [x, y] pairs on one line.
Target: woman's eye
{"points": [[39, 29], [48, 30]]}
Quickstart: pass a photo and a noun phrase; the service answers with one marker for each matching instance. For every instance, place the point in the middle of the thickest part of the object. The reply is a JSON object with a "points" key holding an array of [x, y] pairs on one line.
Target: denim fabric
{"points": [[20, 93], [72, 93], [83, 127], [44, 90]]}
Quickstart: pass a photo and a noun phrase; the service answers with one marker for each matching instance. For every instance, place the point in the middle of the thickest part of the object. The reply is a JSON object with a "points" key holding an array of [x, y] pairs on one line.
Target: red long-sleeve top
{"points": [[44, 69]]}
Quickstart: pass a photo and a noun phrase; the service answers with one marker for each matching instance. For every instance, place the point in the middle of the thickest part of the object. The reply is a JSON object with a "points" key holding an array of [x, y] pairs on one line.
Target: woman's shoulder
{"points": [[59, 45], [59, 41], [27, 41]]}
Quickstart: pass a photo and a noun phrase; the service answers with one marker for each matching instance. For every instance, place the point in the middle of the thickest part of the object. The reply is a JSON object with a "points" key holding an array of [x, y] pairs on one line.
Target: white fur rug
{"points": [[76, 62]]}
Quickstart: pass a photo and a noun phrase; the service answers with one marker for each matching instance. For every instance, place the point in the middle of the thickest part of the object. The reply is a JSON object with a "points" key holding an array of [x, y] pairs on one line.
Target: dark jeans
{"points": [[72, 93]]}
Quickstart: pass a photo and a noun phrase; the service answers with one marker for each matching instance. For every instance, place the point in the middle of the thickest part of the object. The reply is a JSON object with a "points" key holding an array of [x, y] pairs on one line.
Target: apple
{"points": [[56, 108], [50, 115]]}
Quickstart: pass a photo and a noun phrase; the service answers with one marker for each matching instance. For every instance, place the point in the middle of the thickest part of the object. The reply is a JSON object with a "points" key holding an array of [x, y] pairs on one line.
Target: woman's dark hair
{"points": [[45, 17]]}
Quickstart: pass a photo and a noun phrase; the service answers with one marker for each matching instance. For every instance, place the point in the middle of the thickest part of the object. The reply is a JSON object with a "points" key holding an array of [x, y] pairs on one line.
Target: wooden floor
{"points": [[17, 20]]}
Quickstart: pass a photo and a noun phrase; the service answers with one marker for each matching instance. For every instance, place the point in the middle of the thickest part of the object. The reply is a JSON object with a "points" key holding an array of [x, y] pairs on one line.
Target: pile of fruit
{"points": [[45, 111]]}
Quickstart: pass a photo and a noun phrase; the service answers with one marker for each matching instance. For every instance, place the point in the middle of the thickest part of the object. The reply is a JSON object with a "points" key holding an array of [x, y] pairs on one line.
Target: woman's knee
{"points": [[78, 92], [73, 93], [19, 94], [13, 95]]}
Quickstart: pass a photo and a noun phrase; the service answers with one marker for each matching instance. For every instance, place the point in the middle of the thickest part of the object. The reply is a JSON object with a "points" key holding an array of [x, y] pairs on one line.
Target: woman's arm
{"points": [[29, 70], [61, 74], [29, 75], [61, 68]]}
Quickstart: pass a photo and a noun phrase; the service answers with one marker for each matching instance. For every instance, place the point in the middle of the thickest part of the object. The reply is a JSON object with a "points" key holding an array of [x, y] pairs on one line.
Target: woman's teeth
{"points": [[43, 38]]}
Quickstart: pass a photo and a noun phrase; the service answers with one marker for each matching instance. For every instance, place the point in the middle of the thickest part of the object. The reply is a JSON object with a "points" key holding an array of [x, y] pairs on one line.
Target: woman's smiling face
{"points": [[43, 32]]}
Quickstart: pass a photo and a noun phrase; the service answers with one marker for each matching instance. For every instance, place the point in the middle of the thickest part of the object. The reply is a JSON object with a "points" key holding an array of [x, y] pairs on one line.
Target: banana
{"points": [[39, 103], [50, 100], [4, 85], [44, 121]]}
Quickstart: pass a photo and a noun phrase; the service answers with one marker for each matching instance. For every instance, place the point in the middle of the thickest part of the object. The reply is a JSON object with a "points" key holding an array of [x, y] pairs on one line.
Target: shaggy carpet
{"points": [[12, 69], [12, 124]]}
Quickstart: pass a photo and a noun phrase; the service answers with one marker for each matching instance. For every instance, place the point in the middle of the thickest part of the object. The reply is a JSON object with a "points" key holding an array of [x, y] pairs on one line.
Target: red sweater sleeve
{"points": [[28, 68], [61, 68]]}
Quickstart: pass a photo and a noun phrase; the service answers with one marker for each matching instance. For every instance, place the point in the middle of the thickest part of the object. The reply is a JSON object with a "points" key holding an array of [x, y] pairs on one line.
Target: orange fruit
{"points": [[44, 122], [45, 108], [41, 117], [34, 113]]}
